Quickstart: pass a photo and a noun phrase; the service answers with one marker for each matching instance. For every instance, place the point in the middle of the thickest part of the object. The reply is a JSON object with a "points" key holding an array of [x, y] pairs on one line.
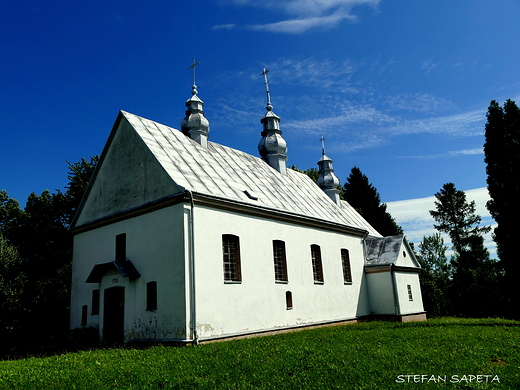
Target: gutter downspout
{"points": [[396, 295], [193, 306], [363, 242]]}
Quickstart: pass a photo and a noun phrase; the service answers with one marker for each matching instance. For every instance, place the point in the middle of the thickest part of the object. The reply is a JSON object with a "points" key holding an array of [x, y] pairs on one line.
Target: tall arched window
{"points": [[280, 261], [151, 296], [345, 261], [231, 258], [317, 267]]}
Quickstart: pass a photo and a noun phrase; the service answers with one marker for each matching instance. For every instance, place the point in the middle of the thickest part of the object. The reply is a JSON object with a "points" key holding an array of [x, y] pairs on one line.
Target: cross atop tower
{"points": [[193, 66], [322, 139], [266, 82]]}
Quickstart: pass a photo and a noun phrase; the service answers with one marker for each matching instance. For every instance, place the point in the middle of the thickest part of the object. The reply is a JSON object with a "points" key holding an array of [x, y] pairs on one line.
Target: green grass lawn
{"points": [[375, 355]]}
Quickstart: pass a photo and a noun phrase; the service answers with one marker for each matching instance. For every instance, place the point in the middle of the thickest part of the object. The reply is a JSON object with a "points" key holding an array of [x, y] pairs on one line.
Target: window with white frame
{"points": [[231, 258]]}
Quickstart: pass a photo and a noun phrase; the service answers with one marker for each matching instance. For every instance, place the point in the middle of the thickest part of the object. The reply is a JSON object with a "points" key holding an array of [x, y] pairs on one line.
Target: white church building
{"points": [[182, 239]]}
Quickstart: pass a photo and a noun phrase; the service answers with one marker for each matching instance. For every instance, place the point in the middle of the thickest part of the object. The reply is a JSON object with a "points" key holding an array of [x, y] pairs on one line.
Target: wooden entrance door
{"points": [[114, 315]]}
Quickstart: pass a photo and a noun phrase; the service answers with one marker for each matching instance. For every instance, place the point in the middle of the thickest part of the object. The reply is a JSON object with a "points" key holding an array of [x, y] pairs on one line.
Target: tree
{"points": [[313, 173], [12, 283], [474, 273], [40, 238], [363, 196], [502, 156], [435, 275]]}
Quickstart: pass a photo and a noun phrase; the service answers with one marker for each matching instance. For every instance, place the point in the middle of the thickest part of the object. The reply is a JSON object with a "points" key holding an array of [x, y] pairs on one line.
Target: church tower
{"points": [[195, 125], [327, 180], [272, 147]]}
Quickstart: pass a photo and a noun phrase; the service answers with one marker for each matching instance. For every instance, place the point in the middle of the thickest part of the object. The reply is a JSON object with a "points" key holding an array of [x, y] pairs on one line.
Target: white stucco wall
{"points": [[128, 176], [258, 302], [155, 245], [381, 293], [403, 279], [405, 258]]}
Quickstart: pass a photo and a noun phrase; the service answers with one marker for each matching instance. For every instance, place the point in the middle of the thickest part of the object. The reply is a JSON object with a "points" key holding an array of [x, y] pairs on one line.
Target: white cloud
{"points": [[418, 102], [297, 26], [317, 96], [224, 26], [452, 153], [459, 125], [414, 217], [304, 14]]}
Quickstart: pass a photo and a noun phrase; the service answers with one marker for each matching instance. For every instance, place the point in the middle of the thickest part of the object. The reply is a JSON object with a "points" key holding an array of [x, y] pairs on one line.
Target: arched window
{"points": [[231, 258], [288, 300], [317, 267], [280, 262], [345, 261]]}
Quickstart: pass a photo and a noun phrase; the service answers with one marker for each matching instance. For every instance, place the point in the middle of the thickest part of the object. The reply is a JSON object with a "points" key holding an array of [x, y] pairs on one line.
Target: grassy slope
{"points": [[364, 356]]}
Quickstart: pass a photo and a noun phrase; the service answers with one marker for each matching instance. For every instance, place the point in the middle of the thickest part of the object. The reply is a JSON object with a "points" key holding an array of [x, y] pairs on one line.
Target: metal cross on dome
{"points": [[193, 66], [266, 81], [322, 139]]}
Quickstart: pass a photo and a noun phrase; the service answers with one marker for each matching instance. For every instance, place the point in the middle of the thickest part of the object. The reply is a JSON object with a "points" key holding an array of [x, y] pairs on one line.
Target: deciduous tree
{"points": [[435, 275]]}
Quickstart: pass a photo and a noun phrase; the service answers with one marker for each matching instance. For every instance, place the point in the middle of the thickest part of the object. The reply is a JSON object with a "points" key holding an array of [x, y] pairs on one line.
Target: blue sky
{"points": [[398, 88]]}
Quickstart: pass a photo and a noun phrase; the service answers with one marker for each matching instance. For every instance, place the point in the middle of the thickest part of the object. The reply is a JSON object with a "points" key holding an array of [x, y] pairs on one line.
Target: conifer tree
{"points": [[363, 196], [502, 156], [474, 275]]}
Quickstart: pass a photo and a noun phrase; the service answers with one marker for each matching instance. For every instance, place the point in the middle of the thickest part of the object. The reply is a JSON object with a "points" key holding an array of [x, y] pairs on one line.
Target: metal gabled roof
{"points": [[223, 172], [383, 250]]}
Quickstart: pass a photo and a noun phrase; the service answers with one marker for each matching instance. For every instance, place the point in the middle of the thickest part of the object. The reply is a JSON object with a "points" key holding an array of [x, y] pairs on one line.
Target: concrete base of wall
{"points": [[390, 318], [415, 317], [278, 331]]}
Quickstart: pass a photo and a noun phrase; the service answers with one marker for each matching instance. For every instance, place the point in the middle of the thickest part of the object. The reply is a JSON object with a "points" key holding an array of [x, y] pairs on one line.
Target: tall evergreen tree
{"points": [[363, 196], [474, 274], [502, 156]]}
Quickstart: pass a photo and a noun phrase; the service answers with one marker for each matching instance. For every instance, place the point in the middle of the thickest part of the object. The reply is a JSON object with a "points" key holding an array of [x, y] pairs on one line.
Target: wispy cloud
{"points": [[418, 102], [459, 125], [317, 96], [303, 15], [453, 153]]}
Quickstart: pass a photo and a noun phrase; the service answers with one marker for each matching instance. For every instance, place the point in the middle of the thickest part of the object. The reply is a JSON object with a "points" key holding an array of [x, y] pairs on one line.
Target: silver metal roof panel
{"points": [[225, 172]]}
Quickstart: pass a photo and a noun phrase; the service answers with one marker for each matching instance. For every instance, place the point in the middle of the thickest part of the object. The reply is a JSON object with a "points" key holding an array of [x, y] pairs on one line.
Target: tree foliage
{"points": [[313, 173], [435, 276], [474, 274], [502, 156], [36, 259], [365, 198]]}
